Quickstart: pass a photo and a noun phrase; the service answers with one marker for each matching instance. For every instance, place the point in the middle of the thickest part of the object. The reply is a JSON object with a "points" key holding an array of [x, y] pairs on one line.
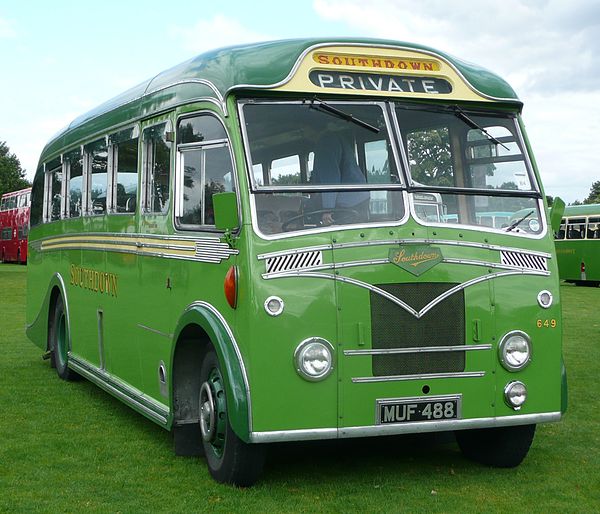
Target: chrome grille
{"points": [[394, 327], [294, 261], [524, 260]]}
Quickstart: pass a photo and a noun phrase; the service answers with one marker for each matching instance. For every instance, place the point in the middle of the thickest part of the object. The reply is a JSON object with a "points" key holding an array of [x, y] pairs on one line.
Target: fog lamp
{"points": [[515, 350], [314, 359], [515, 394]]}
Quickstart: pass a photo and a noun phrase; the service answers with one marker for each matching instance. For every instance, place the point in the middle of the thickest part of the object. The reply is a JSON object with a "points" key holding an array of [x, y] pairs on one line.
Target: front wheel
{"points": [[502, 447], [230, 460], [59, 342]]}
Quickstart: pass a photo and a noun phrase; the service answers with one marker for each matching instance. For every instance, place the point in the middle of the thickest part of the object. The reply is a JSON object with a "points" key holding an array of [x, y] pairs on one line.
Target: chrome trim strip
{"points": [[376, 262], [424, 376], [420, 349], [156, 411], [397, 301], [154, 331], [446, 242], [406, 428], [236, 349]]}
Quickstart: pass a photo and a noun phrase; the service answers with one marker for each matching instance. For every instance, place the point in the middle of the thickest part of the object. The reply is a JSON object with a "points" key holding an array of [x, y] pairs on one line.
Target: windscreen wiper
{"points": [[319, 105], [516, 223], [459, 113]]}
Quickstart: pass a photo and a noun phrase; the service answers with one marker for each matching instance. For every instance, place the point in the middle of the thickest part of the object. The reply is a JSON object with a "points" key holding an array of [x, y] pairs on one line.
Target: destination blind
{"points": [[380, 82]]}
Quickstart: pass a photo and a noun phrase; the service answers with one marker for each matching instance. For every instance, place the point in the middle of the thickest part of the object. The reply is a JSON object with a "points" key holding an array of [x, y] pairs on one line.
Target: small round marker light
{"points": [[274, 305], [515, 394], [545, 298]]}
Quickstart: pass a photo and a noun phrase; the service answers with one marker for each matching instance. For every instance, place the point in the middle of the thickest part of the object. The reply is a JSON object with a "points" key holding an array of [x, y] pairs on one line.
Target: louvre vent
{"points": [[294, 261], [523, 260]]}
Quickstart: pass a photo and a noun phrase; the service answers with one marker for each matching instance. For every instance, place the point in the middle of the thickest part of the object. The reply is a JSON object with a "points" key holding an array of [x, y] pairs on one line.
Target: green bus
{"points": [[577, 243], [283, 242]]}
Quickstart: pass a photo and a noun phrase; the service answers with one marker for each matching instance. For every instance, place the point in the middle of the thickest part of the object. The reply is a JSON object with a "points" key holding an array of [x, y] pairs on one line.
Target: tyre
{"points": [[230, 460], [59, 342], [502, 447]]}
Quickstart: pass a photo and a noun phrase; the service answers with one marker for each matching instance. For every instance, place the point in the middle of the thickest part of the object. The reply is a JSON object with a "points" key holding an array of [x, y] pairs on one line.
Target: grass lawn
{"points": [[70, 447]]}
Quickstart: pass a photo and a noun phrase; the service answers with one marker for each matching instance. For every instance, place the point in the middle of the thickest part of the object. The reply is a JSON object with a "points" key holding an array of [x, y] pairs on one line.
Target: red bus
{"points": [[14, 225]]}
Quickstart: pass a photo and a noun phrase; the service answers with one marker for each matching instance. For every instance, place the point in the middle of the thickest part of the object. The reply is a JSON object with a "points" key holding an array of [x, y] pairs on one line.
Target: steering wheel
{"points": [[346, 216]]}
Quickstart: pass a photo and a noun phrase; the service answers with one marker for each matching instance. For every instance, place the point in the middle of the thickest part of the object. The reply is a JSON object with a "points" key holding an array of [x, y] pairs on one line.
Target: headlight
{"points": [[314, 358], [515, 394], [515, 350]]}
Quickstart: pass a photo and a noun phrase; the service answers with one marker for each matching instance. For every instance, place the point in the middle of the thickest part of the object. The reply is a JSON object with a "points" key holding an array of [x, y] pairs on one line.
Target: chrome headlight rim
{"points": [[507, 390], [298, 356], [502, 347]]}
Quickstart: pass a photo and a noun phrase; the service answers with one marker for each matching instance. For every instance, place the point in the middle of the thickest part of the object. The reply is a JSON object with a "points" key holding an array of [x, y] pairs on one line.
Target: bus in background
{"points": [[578, 245], [14, 225], [280, 242]]}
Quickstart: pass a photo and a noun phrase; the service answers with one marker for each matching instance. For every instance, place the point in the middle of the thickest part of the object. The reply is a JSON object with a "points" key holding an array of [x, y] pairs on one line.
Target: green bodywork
{"points": [[158, 298], [571, 253]]}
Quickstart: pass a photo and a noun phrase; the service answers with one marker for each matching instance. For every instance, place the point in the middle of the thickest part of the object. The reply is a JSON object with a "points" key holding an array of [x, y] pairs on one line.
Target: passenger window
{"points": [[157, 166], [97, 158], [125, 164], [75, 184], [593, 228], [206, 168], [54, 178], [576, 228]]}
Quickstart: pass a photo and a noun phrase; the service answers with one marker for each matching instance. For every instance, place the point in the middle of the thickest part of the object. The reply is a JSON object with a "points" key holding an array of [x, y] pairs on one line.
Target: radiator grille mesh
{"points": [[393, 327]]}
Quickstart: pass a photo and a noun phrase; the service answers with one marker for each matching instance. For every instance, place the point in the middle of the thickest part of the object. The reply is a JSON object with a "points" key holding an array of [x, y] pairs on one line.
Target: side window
{"points": [[593, 229], [562, 229], [157, 169], [124, 146], [54, 179], [96, 155], [36, 214], [74, 201], [576, 228], [205, 168]]}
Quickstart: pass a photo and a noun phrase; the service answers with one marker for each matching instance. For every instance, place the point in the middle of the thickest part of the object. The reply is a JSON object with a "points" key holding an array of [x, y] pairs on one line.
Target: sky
{"points": [[62, 58]]}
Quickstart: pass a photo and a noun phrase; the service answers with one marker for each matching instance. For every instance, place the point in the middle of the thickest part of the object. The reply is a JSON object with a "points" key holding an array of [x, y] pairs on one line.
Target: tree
{"points": [[12, 176], [594, 196]]}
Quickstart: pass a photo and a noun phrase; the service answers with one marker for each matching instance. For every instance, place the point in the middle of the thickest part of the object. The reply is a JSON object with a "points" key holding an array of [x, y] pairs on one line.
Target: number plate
{"points": [[407, 410]]}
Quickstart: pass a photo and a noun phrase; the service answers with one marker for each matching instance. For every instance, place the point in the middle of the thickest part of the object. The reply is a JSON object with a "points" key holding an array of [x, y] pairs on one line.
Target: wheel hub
{"points": [[207, 413]]}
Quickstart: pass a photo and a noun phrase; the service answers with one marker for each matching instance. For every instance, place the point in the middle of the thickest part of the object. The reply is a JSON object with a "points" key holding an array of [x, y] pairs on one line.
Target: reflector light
{"points": [[230, 286]]}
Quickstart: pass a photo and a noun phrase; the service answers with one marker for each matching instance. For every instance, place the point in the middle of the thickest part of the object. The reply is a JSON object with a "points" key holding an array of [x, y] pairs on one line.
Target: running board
{"points": [[153, 410]]}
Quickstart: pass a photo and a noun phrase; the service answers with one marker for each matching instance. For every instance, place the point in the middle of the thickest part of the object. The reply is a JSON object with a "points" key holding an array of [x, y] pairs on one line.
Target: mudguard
{"points": [[37, 330], [236, 380]]}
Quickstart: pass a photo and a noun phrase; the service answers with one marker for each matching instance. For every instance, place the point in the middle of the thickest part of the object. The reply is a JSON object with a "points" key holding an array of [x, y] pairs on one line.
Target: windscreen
{"points": [[452, 149], [315, 165]]}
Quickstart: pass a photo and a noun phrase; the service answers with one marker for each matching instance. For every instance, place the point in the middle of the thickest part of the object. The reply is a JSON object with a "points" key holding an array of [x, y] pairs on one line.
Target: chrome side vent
{"points": [[294, 261], [524, 260]]}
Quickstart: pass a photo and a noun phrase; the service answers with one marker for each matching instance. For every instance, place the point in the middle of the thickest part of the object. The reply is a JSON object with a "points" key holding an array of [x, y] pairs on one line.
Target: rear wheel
{"points": [[502, 447], [229, 459], [59, 342]]}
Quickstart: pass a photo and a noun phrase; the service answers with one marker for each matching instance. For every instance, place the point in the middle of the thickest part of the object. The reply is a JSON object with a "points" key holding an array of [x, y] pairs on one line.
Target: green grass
{"points": [[70, 447]]}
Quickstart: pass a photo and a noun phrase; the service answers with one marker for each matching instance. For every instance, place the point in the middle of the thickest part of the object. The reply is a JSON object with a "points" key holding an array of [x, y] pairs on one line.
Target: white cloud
{"points": [[7, 29], [214, 33], [548, 50]]}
